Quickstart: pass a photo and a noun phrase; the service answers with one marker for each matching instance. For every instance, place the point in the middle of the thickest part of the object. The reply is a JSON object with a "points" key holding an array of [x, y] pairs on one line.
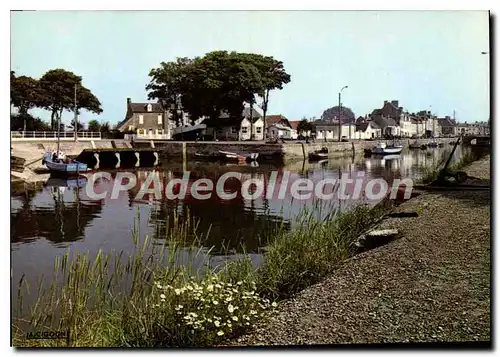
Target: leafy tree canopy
{"points": [[58, 93], [347, 115], [218, 82]]}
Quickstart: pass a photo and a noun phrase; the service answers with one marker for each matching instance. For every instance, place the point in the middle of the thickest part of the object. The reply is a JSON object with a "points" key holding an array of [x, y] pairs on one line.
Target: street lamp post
{"points": [[340, 112]]}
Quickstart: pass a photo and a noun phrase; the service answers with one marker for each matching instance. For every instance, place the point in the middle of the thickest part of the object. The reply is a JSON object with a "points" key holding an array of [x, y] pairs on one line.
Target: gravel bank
{"points": [[431, 285]]}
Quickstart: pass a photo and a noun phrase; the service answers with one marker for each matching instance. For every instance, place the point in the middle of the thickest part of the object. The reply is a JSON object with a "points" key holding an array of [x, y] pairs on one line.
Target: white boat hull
{"points": [[387, 150]]}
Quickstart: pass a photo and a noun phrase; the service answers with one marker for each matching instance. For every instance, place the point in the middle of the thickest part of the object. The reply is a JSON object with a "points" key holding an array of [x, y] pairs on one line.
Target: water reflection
{"points": [[62, 212], [55, 212]]}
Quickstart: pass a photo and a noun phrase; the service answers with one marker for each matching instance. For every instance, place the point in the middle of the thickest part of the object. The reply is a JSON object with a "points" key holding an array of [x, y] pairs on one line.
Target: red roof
{"points": [[294, 124], [274, 119]]}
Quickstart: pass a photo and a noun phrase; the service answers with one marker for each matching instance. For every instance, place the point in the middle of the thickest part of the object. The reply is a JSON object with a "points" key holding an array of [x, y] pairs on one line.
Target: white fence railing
{"points": [[136, 137], [52, 135]]}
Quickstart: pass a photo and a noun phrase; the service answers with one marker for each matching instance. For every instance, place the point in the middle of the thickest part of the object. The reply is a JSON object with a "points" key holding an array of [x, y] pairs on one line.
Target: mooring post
{"points": [[117, 154], [138, 162], [303, 150], [156, 158], [184, 152], [93, 144], [353, 149], [96, 155]]}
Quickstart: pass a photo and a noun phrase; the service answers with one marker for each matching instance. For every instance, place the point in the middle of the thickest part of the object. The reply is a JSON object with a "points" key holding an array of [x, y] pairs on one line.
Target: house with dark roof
{"points": [[393, 119], [366, 129], [145, 120], [224, 127], [448, 126], [278, 126]]}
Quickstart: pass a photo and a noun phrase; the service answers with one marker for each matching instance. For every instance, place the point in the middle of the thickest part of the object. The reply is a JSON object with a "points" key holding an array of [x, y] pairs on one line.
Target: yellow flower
{"points": [[220, 333], [177, 292], [210, 287]]}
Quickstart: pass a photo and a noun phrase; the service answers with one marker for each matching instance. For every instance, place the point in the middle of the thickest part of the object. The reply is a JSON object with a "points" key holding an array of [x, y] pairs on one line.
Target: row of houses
{"points": [[149, 120], [391, 120]]}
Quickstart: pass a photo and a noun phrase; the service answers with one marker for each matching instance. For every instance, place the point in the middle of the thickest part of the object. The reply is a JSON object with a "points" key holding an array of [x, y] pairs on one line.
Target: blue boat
{"points": [[67, 167]]}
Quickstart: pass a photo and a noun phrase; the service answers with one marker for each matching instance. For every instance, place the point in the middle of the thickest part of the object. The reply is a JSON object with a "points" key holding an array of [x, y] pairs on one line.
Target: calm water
{"points": [[59, 214]]}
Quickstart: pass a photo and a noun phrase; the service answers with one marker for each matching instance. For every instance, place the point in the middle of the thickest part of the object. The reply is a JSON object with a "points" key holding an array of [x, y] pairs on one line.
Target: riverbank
{"points": [[31, 152], [431, 285]]}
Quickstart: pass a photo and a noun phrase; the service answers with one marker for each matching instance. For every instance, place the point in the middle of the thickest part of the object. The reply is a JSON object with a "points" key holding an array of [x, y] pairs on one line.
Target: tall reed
{"points": [[158, 296]]}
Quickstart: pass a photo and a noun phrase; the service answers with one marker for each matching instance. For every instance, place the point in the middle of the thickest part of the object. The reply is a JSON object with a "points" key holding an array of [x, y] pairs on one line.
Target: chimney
{"points": [[129, 101], [385, 102], [395, 103]]}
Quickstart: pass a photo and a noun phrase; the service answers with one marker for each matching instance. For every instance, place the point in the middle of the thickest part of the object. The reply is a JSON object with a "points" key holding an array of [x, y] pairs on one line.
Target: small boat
{"points": [[415, 145], [64, 167], [384, 149], [319, 154], [234, 156]]}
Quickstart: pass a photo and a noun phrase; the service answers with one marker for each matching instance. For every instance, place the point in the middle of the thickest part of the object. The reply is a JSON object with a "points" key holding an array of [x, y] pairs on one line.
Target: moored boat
{"points": [[384, 149], [63, 166], [239, 157], [321, 154]]}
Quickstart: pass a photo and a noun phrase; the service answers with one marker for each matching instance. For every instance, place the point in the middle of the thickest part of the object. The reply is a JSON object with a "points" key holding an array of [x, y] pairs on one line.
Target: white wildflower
{"points": [[274, 304], [216, 323], [230, 308], [220, 333], [235, 318], [162, 296], [177, 292]]}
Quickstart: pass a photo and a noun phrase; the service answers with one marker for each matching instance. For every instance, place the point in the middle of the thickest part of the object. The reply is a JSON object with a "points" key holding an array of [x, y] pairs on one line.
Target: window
{"points": [[159, 131], [244, 130], [130, 128], [150, 107], [141, 132], [141, 119], [233, 130], [258, 130], [160, 119]]}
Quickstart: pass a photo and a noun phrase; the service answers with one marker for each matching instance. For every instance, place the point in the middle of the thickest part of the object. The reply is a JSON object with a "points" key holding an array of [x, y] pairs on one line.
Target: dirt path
{"points": [[431, 285]]}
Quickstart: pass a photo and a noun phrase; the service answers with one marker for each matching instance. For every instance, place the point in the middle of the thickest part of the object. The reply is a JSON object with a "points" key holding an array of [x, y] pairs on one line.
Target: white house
{"points": [[257, 129], [366, 129], [279, 131], [278, 126]]}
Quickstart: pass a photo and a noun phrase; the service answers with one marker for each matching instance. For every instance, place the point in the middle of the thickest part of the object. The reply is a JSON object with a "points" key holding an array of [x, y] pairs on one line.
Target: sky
{"points": [[428, 60]]}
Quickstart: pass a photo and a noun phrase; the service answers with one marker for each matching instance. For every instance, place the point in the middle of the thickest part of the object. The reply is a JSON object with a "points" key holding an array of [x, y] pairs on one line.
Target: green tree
{"points": [[304, 126], [58, 94], [24, 95], [17, 121], [219, 82], [94, 126], [105, 128], [167, 85], [332, 113]]}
